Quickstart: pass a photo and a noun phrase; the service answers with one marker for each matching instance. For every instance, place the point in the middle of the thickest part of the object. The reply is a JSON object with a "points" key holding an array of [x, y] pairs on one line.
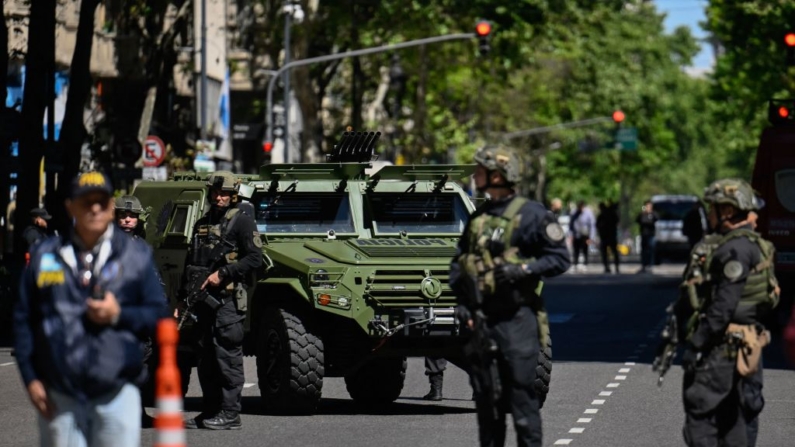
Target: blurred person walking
{"points": [[86, 301], [647, 220], [607, 226], [583, 229]]}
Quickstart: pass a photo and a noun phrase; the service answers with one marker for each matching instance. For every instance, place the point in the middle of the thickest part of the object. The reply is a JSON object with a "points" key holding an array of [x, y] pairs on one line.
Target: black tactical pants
{"points": [[435, 366], [220, 359], [721, 407], [612, 244], [517, 338]]}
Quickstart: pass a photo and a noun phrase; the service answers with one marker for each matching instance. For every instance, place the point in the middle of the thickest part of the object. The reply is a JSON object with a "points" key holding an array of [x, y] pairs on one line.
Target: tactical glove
{"points": [[691, 358], [462, 314], [510, 273]]}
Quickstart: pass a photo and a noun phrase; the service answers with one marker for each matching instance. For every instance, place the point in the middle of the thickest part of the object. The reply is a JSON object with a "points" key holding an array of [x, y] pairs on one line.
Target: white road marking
{"points": [[620, 378], [584, 420], [598, 402], [563, 442], [606, 393], [591, 411], [577, 430], [613, 385], [630, 363], [8, 364], [248, 385], [624, 370]]}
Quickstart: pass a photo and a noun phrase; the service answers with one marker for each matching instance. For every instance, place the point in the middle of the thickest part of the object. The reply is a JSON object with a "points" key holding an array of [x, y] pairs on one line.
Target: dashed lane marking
{"points": [[629, 363], [624, 370], [563, 442], [591, 410], [620, 378], [248, 385], [613, 385], [606, 393], [598, 402], [577, 430], [584, 420], [8, 364]]}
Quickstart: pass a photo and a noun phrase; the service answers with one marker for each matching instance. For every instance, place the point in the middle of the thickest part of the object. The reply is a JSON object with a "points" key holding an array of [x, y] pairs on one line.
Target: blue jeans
{"points": [[113, 419]]}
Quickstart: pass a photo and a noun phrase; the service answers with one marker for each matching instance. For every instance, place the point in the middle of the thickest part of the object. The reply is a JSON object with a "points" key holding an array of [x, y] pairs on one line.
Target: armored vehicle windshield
{"points": [[415, 213]]}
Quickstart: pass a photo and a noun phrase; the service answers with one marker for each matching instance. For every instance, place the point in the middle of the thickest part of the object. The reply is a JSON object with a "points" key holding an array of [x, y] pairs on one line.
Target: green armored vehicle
{"points": [[355, 271]]}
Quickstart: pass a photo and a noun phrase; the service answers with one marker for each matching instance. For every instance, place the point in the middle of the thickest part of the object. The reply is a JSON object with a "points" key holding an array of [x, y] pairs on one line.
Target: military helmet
{"points": [[129, 203], [732, 191], [223, 180], [501, 159]]}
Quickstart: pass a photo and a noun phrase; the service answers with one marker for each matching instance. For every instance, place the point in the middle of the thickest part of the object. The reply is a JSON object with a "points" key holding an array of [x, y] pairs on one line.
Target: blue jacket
{"points": [[54, 341]]}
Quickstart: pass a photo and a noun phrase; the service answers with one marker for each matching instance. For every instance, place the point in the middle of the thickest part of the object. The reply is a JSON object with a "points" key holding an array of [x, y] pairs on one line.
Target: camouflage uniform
{"points": [[509, 245], [737, 285]]}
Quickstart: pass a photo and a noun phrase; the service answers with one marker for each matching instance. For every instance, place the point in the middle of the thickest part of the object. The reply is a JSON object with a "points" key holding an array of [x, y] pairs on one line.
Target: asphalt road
{"points": [[603, 390]]}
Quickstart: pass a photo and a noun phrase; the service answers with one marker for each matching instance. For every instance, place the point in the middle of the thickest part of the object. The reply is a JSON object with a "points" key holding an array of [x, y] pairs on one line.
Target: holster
{"points": [[749, 339]]}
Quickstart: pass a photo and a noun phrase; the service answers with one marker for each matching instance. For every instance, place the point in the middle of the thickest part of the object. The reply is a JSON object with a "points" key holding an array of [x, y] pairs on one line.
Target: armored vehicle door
{"points": [[172, 247]]}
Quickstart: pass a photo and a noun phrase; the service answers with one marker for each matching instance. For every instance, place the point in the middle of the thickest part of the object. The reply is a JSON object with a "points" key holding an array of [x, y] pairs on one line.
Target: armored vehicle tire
{"points": [[544, 372], [379, 381], [289, 364]]}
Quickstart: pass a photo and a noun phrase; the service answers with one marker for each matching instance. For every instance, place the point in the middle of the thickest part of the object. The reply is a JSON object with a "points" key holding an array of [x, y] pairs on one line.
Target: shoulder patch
{"points": [[554, 232], [733, 270], [257, 239]]}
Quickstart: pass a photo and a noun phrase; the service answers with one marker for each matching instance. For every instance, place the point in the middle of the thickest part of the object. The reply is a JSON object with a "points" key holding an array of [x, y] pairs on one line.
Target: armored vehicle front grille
{"points": [[400, 251], [404, 288]]}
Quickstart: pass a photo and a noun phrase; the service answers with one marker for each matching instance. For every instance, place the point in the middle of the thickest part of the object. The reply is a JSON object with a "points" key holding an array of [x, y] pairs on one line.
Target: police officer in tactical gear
{"points": [[509, 244], [128, 210], [723, 400], [226, 242]]}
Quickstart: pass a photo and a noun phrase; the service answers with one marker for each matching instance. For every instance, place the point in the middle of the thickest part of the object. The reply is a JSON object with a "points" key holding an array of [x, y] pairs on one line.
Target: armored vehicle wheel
{"points": [[379, 381], [544, 372], [289, 364]]}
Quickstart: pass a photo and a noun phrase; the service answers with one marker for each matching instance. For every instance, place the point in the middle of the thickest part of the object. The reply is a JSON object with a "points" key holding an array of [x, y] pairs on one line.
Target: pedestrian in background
{"points": [[647, 220], [607, 226], [37, 230], [86, 301], [583, 229]]}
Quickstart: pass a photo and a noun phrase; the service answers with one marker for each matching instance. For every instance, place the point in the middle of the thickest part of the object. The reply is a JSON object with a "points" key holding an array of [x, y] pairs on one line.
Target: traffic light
{"points": [[789, 41], [781, 112], [618, 117], [483, 32], [127, 150]]}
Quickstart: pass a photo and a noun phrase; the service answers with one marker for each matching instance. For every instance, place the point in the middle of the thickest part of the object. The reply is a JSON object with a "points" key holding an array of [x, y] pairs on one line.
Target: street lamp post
{"points": [[313, 60], [203, 104], [292, 13]]}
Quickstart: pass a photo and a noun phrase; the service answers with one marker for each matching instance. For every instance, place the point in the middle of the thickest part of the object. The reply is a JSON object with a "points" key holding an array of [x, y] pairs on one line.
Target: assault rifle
{"points": [[481, 351], [669, 340], [195, 278]]}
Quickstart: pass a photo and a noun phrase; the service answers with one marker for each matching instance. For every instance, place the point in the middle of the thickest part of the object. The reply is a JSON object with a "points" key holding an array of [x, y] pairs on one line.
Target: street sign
{"points": [[627, 139], [154, 151], [156, 174]]}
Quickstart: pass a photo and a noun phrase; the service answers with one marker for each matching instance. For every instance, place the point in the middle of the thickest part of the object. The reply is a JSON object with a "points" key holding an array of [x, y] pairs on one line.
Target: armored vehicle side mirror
{"points": [[246, 191]]}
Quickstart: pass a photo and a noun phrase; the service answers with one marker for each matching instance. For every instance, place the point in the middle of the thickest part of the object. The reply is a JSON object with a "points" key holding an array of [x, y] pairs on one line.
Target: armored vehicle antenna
{"points": [[354, 147]]}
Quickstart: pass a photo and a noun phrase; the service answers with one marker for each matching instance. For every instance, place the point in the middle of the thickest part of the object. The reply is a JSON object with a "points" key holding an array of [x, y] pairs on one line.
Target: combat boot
{"points": [[224, 420], [435, 393], [198, 421]]}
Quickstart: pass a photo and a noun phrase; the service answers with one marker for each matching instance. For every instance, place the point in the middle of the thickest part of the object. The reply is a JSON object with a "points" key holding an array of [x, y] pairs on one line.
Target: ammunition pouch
{"points": [[749, 339], [196, 275]]}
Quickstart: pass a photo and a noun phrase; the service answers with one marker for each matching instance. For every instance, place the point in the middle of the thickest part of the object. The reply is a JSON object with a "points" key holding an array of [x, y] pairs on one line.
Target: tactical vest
{"points": [[212, 249], [489, 240], [760, 293]]}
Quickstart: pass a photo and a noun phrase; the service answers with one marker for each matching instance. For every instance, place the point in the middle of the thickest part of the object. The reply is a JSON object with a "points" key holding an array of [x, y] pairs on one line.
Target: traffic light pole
{"points": [[571, 124], [347, 54]]}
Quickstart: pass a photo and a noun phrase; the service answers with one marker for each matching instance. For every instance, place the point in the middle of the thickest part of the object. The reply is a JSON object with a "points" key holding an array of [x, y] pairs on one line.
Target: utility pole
{"points": [[203, 92], [288, 17]]}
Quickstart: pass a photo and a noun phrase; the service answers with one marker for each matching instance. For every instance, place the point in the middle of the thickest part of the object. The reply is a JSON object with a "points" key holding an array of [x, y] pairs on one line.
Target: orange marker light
{"points": [[783, 112], [789, 39], [618, 116], [483, 29]]}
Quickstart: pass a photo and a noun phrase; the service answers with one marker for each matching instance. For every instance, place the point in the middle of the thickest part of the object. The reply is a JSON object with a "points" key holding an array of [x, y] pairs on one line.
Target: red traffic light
{"points": [[267, 147], [483, 29], [789, 39], [783, 112], [618, 116]]}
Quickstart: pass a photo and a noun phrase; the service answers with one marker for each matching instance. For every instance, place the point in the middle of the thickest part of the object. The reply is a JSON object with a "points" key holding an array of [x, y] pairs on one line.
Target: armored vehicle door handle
{"points": [[168, 266]]}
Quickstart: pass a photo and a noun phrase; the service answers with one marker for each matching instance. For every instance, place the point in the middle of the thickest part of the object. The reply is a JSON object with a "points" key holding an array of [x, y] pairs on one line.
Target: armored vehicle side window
{"points": [[299, 212], [179, 220], [417, 213]]}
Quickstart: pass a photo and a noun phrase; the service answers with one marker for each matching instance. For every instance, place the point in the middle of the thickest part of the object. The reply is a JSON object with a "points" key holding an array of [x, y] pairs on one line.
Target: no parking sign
{"points": [[154, 151]]}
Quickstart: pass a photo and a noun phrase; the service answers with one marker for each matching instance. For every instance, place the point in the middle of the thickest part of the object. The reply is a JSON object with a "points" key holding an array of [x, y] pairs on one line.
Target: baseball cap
{"points": [[40, 212], [93, 181]]}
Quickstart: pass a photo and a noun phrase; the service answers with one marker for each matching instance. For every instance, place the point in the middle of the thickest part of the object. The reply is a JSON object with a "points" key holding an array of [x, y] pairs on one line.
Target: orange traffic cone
{"points": [[168, 392]]}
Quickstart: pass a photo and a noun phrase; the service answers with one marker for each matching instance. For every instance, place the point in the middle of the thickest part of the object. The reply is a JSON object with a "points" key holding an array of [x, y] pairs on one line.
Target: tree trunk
{"points": [[73, 132], [41, 49], [420, 111]]}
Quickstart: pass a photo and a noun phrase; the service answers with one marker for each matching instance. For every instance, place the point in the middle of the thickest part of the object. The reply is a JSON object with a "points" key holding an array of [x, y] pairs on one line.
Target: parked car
{"points": [[671, 209]]}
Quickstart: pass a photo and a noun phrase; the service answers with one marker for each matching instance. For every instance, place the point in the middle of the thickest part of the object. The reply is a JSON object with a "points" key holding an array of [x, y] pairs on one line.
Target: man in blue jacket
{"points": [[86, 301]]}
